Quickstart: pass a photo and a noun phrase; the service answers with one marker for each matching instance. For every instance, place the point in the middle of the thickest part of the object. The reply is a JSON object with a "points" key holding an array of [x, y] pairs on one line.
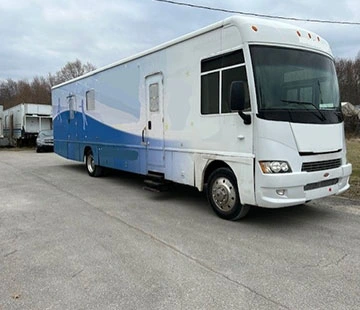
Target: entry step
{"points": [[155, 182]]}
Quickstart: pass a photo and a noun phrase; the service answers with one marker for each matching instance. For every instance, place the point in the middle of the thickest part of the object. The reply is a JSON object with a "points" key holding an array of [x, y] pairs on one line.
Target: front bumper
{"points": [[297, 188]]}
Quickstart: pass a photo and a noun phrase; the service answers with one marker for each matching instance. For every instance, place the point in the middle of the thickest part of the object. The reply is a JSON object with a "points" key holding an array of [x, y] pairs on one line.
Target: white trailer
{"points": [[247, 109], [23, 122], [1, 121], [3, 141]]}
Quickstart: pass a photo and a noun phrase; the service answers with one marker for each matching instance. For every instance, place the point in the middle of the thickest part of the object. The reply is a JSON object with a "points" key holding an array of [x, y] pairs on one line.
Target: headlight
{"points": [[274, 167]]}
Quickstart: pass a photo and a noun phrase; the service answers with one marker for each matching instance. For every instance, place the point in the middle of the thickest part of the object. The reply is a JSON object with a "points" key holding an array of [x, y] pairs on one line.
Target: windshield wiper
{"points": [[321, 116]]}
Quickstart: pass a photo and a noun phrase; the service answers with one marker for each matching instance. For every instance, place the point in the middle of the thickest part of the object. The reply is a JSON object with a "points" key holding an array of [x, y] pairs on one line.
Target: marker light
{"points": [[274, 167], [254, 28], [298, 33]]}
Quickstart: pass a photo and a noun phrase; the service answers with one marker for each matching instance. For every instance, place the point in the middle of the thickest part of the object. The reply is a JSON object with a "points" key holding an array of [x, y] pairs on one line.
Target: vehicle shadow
{"points": [[288, 216]]}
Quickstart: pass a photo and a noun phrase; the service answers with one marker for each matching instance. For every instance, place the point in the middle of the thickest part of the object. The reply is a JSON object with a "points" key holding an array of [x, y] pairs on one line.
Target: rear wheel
{"points": [[92, 169], [223, 195]]}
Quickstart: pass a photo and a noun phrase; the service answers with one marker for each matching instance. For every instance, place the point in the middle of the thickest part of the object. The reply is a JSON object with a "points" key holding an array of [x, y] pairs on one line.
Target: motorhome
{"points": [[246, 109]]}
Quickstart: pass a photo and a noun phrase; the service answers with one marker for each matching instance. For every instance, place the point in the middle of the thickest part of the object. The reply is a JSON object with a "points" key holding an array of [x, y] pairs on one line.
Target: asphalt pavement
{"points": [[69, 241]]}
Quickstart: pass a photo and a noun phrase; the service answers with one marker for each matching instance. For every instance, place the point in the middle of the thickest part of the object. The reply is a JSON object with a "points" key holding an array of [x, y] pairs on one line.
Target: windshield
{"points": [[295, 85], [46, 133]]}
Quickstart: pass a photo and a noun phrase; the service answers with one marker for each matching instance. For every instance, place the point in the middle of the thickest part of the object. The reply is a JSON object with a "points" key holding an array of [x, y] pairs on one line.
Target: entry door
{"points": [[72, 129], [155, 123]]}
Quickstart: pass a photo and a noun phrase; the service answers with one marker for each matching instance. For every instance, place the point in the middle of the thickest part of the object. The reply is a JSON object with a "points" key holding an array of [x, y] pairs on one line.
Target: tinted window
{"points": [[215, 91], [228, 76], [222, 61], [210, 93]]}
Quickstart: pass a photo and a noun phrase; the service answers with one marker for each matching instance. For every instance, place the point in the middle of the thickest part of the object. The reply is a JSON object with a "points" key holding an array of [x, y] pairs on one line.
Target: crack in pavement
{"points": [[188, 256], [333, 263], [164, 243], [10, 253]]}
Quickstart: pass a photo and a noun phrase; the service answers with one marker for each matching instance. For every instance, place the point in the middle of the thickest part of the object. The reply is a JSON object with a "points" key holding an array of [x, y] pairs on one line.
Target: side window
{"points": [[217, 74], [90, 100], [228, 76], [71, 102], [210, 93], [154, 97]]}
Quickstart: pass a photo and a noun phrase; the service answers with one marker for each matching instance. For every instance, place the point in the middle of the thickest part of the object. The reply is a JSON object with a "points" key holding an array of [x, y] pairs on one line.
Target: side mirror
{"points": [[238, 99]]}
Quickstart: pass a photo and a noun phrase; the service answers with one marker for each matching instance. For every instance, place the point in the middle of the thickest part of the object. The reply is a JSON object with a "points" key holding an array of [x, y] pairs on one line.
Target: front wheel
{"points": [[92, 169], [223, 195]]}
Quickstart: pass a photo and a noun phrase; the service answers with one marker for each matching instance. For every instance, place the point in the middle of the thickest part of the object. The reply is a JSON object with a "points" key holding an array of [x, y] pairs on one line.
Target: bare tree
{"points": [[39, 89], [8, 91], [348, 72], [70, 71]]}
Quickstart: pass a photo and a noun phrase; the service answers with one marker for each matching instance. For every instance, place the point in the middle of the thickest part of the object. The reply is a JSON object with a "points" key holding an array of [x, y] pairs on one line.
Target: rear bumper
{"points": [[297, 188]]}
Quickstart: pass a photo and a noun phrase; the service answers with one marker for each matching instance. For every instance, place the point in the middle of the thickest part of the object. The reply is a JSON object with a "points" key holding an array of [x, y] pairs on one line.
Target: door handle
{"points": [[143, 135]]}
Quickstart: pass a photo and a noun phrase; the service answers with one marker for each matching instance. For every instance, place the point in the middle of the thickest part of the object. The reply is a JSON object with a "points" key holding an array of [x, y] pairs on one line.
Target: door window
{"points": [[154, 97]]}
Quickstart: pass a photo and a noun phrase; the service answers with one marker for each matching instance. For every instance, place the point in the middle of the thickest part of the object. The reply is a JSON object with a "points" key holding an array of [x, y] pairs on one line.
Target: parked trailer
{"points": [[247, 109], [1, 121], [3, 141], [23, 122]]}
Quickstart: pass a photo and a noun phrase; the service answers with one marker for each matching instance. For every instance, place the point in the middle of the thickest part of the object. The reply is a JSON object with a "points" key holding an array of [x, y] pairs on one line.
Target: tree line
{"points": [[348, 72], [38, 90]]}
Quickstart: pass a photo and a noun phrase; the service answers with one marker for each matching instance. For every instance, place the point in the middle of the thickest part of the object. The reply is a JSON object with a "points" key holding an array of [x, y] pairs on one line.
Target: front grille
{"points": [[321, 184], [321, 165]]}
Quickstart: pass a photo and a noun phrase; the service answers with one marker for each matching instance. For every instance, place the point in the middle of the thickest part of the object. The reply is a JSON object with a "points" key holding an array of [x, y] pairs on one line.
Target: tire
{"points": [[38, 150], [223, 195], [92, 169]]}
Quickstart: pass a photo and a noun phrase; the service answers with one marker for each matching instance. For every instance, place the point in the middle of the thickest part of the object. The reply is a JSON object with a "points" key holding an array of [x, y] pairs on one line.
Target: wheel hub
{"points": [[224, 194], [90, 163]]}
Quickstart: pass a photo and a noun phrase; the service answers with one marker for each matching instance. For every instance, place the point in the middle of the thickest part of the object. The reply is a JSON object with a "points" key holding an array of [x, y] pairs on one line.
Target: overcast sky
{"points": [[38, 37]]}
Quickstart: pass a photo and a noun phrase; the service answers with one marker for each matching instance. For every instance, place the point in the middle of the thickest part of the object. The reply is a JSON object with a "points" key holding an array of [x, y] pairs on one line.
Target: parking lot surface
{"points": [[69, 241]]}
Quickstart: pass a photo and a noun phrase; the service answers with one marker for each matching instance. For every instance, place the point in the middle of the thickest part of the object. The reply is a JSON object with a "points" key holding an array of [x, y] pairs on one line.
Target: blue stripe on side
{"points": [[111, 147], [86, 128]]}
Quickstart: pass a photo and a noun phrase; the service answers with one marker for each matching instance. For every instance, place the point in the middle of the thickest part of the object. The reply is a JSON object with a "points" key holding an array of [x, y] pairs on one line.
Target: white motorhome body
{"points": [[172, 111], [26, 120]]}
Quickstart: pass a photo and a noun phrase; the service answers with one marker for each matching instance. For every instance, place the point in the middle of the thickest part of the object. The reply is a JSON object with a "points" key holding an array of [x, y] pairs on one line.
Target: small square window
{"points": [[71, 101], [90, 100]]}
